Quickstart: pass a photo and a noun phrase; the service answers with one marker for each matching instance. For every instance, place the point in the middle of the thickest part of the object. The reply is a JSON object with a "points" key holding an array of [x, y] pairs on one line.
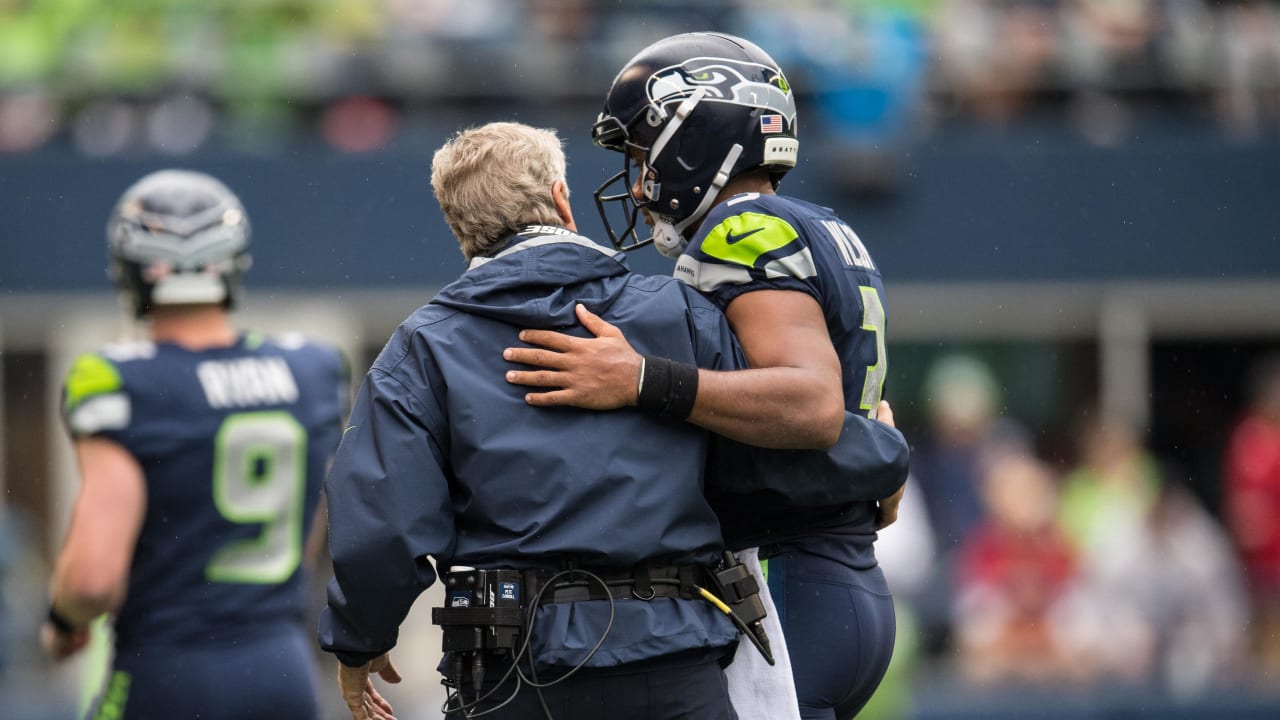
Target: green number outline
{"points": [[873, 319], [257, 560]]}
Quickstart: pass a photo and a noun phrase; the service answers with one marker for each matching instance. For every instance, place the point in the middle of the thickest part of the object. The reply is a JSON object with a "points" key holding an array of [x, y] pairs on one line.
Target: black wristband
{"points": [[60, 623], [667, 387]]}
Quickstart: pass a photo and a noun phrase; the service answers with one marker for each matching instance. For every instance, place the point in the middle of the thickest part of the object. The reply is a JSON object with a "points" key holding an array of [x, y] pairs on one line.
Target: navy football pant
{"points": [[839, 625], [685, 686], [268, 677]]}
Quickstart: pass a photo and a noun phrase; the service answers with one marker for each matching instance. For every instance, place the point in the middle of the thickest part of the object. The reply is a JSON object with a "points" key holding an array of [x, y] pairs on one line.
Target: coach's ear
{"points": [[560, 196]]}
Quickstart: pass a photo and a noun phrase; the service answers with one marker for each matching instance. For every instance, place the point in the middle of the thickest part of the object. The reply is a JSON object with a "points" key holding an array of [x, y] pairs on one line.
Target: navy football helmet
{"points": [[690, 112], [178, 237]]}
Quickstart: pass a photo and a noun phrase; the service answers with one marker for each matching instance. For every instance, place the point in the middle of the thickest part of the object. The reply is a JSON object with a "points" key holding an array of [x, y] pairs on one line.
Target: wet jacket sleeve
{"points": [[868, 462], [389, 509]]}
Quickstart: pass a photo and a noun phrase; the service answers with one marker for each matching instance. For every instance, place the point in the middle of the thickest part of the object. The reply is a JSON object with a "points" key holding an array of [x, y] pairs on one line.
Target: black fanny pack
{"points": [[487, 610]]}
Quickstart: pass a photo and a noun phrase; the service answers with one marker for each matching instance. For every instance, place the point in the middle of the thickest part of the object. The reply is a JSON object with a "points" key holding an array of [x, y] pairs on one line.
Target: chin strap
{"points": [[670, 237]]}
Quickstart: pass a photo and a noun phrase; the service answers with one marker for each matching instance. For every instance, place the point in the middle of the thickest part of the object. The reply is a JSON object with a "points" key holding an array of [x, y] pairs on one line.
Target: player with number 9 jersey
{"points": [[201, 454], [233, 443]]}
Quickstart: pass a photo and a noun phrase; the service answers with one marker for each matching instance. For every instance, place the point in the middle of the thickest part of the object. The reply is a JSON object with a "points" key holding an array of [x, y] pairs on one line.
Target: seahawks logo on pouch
{"points": [[724, 80]]}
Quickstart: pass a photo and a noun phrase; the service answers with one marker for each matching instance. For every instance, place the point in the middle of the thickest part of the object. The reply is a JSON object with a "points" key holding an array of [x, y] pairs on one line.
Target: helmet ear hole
{"points": [[691, 147]]}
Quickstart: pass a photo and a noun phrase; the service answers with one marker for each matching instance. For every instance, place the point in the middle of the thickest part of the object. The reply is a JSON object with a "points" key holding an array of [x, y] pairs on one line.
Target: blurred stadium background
{"points": [[1074, 203]]}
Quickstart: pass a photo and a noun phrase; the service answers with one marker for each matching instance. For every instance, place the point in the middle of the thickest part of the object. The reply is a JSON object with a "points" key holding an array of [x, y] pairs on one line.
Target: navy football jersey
{"points": [[771, 242], [233, 443]]}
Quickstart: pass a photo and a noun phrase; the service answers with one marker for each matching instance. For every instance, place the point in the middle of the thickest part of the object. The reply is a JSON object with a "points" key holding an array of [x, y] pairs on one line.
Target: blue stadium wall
{"points": [[1030, 203]]}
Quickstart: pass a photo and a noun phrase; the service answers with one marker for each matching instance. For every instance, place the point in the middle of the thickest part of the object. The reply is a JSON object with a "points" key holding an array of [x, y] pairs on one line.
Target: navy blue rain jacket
{"points": [[443, 458]]}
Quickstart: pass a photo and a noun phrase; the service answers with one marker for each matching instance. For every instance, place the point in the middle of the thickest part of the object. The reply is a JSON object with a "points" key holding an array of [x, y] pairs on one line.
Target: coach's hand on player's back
{"points": [[599, 373], [362, 698], [887, 509]]}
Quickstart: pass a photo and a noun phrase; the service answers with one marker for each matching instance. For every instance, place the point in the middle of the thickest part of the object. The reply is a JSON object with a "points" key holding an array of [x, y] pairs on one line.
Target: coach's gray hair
{"points": [[496, 178]]}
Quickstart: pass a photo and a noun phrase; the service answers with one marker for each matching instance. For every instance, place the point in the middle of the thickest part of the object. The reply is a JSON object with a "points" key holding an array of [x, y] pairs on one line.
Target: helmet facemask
{"points": [[699, 109], [673, 223], [619, 209]]}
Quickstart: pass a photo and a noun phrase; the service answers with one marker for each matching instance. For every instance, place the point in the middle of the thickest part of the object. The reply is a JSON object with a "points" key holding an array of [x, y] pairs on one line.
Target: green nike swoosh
{"points": [[730, 238], [349, 429]]}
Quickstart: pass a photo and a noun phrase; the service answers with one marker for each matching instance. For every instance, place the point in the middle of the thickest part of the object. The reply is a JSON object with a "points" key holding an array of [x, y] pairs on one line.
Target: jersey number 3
{"points": [[873, 321], [259, 478]]}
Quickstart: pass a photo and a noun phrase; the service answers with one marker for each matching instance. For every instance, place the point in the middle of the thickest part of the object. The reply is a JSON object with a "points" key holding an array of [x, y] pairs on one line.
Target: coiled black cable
{"points": [[524, 650]]}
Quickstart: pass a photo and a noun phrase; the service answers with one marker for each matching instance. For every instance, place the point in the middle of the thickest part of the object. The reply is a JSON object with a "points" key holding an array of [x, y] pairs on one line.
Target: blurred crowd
{"points": [[1012, 568], [172, 75], [1103, 571], [1102, 574]]}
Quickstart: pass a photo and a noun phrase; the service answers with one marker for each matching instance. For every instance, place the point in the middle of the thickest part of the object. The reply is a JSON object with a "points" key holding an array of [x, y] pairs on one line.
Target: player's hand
{"points": [[362, 698], [887, 509], [62, 645], [597, 373], [884, 413]]}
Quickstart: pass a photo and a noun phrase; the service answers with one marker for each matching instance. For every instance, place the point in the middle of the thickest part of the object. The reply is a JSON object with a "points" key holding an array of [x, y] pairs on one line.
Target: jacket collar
{"points": [[531, 236]]}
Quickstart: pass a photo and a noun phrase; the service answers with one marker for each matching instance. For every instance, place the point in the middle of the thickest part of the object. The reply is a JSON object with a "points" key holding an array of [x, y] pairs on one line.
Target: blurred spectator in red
{"points": [[359, 124], [1252, 502], [1016, 581], [27, 120]]}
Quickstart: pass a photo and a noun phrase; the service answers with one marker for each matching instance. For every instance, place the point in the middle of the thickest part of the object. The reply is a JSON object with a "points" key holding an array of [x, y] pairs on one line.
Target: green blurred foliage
{"points": [[228, 48]]}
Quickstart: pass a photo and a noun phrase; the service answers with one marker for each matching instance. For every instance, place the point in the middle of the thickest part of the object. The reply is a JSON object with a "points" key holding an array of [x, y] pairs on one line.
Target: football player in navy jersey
{"points": [[201, 453], [707, 126]]}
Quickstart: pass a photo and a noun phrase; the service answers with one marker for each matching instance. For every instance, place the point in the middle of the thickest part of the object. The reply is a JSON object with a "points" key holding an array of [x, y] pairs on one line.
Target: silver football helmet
{"points": [[178, 237]]}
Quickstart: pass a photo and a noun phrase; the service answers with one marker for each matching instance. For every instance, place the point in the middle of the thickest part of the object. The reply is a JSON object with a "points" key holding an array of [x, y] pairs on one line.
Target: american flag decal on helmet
{"points": [[770, 124]]}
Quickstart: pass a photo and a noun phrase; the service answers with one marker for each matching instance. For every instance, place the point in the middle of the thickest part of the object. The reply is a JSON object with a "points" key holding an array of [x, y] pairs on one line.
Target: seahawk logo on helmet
{"points": [[690, 112], [178, 238], [723, 80]]}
